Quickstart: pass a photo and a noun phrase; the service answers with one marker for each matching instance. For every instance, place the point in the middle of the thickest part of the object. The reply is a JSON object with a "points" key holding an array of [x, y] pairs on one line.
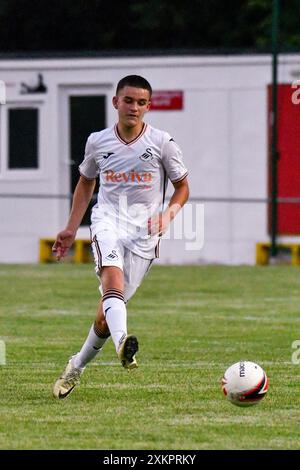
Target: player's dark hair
{"points": [[134, 81]]}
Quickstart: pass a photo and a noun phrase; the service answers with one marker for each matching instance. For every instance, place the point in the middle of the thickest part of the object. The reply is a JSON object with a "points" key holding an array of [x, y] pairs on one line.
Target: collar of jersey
{"points": [[143, 130]]}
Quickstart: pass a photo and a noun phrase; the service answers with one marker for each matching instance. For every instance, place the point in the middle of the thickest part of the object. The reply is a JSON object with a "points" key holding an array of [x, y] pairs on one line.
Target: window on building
{"points": [[23, 124]]}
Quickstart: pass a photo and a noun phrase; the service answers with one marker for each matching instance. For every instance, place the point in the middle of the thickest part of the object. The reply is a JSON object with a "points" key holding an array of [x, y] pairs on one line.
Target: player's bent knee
{"points": [[112, 278]]}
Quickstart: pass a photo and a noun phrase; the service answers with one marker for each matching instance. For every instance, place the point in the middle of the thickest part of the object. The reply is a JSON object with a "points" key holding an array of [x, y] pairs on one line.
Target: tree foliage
{"points": [[81, 25]]}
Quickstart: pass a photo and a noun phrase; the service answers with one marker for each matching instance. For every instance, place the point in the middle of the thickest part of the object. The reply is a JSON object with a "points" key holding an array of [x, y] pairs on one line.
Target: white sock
{"points": [[92, 346], [115, 314]]}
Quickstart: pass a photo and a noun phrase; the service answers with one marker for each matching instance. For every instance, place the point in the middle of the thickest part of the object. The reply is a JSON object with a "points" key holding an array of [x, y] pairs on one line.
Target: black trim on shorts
{"points": [[156, 251], [99, 261]]}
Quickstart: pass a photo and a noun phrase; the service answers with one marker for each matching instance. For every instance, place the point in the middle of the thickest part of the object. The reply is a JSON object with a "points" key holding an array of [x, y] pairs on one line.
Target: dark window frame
{"points": [[23, 135]]}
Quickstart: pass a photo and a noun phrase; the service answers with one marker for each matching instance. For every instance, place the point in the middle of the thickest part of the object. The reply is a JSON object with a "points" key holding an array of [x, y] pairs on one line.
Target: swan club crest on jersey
{"points": [[133, 178], [147, 155]]}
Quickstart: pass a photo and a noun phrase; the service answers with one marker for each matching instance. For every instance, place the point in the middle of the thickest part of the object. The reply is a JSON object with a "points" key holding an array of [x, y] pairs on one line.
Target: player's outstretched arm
{"points": [[82, 196], [159, 223]]}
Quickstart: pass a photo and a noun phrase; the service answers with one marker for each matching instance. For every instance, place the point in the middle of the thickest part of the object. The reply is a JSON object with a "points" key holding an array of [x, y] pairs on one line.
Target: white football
{"points": [[245, 383]]}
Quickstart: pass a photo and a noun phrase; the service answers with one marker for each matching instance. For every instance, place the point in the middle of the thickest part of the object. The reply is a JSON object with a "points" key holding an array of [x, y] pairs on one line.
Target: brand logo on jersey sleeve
{"points": [[105, 155]]}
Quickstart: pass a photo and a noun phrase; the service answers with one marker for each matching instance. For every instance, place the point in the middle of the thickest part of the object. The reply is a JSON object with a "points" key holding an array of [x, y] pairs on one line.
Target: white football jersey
{"points": [[133, 181]]}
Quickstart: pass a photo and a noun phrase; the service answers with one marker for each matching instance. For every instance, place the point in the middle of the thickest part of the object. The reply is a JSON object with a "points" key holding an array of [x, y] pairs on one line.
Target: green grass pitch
{"points": [[192, 322]]}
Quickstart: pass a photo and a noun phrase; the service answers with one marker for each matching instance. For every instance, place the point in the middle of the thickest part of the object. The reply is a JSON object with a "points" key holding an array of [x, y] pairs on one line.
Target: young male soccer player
{"points": [[133, 161]]}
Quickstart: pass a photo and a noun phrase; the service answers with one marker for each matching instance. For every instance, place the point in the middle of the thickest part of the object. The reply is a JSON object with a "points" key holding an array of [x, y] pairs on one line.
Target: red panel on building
{"points": [[167, 100], [289, 158]]}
